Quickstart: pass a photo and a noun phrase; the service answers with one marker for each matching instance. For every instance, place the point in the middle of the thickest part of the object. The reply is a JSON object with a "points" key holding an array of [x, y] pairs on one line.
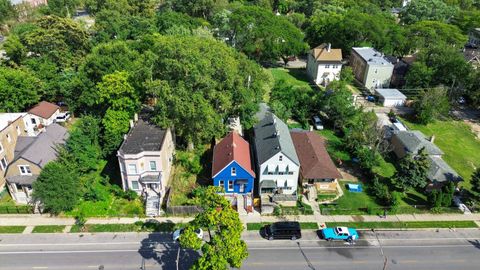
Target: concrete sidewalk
{"points": [[35, 219]]}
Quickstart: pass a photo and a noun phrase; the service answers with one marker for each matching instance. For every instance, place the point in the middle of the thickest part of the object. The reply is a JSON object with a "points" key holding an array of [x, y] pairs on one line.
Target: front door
{"points": [[242, 188]]}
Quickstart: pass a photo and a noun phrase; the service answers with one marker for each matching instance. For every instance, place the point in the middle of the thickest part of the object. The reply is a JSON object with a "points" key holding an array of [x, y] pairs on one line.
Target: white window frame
{"points": [[154, 168], [9, 138], [24, 170], [327, 66], [18, 130], [233, 171], [280, 158], [132, 169], [230, 182], [138, 185], [2, 166], [221, 183]]}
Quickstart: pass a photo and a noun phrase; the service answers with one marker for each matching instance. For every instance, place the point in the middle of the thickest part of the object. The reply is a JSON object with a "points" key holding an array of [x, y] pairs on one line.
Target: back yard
{"points": [[291, 76], [461, 147]]}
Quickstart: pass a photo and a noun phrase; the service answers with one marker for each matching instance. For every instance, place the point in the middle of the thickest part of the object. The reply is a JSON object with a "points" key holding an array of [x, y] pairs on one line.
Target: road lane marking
{"points": [[40, 267], [87, 244]]}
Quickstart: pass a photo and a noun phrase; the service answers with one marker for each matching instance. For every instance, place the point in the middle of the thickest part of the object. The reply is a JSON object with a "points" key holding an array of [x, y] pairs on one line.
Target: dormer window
{"points": [[234, 171], [280, 158]]}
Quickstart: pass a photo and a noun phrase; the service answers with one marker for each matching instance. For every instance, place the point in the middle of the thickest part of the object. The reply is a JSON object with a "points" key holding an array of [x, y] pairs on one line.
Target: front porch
{"points": [[20, 187], [152, 192]]}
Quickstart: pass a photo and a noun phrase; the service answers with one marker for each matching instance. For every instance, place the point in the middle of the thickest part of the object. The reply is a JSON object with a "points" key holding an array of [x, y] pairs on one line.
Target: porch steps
{"points": [[152, 206], [241, 205]]}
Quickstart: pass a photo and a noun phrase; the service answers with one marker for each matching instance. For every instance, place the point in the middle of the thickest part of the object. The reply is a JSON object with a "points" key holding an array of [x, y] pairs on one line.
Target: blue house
{"points": [[232, 170]]}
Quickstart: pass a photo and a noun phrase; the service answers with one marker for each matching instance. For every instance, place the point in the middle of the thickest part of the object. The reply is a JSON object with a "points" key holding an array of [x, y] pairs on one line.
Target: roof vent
{"points": [[370, 60]]}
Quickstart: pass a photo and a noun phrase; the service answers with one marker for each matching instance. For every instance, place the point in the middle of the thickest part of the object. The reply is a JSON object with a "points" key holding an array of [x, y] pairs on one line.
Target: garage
{"points": [[390, 97]]}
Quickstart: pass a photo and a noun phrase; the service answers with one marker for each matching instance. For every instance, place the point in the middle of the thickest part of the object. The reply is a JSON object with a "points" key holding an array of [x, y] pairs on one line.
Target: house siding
{"points": [[365, 72], [316, 69], [9, 147], [241, 174], [20, 196], [291, 180]]}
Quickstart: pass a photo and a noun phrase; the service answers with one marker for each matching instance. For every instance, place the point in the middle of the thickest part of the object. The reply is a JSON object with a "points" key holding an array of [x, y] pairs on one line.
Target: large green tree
{"points": [[116, 93], [115, 124], [6, 11], [19, 89], [338, 104], [197, 8], [424, 34], [412, 171], [225, 248], [262, 35], [83, 144], [57, 187], [433, 104], [423, 10], [64, 8]]}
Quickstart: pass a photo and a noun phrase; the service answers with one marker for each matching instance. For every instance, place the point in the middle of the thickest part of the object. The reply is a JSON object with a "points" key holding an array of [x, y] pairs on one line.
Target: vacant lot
{"points": [[461, 147]]}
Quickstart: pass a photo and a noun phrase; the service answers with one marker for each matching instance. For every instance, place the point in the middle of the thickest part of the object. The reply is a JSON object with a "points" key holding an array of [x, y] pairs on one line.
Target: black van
{"points": [[283, 230]]}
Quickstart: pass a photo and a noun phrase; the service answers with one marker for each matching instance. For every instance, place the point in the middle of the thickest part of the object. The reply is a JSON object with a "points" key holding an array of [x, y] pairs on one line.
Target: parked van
{"points": [[283, 230]]}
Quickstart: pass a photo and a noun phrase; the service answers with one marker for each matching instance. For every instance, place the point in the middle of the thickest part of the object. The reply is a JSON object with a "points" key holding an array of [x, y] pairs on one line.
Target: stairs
{"points": [[241, 205], [152, 206]]}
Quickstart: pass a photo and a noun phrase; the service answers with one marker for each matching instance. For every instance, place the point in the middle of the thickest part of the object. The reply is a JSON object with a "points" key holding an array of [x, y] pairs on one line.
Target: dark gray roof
{"points": [[22, 179], [414, 140], [43, 148], [144, 136], [271, 137], [440, 171]]}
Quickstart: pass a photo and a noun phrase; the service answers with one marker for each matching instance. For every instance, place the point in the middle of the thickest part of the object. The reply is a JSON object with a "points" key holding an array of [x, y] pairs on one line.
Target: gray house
{"points": [[371, 68]]}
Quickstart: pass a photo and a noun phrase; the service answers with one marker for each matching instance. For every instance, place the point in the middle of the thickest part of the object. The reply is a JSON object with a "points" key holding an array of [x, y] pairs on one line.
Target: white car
{"points": [[62, 117], [317, 123], [177, 233]]}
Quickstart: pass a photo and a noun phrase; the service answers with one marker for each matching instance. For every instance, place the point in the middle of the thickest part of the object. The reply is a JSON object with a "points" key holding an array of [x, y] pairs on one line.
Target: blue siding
{"points": [[241, 174]]}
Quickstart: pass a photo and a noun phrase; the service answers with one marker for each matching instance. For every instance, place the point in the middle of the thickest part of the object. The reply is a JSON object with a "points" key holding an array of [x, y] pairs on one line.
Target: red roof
{"points": [[315, 163], [44, 109], [231, 148]]}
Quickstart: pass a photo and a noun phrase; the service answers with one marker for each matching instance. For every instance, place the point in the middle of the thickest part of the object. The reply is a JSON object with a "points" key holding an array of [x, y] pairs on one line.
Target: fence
{"points": [[16, 209], [179, 210]]}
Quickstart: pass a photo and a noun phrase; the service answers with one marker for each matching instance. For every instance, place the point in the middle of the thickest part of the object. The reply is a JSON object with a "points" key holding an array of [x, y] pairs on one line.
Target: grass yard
{"points": [[111, 207], [405, 225], [138, 226], [334, 145], [11, 229], [293, 76], [461, 147], [326, 196], [8, 206], [48, 229], [303, 225], [181, 186]]}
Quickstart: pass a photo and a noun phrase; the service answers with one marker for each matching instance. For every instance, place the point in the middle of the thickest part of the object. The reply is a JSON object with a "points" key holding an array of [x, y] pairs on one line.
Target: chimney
{"points": [[135, 117], [131, 124], [329, 47], [432, 139]]}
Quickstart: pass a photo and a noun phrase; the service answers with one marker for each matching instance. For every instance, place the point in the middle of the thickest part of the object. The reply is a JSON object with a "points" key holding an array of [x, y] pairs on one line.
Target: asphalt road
{"points": [[382, 250]]}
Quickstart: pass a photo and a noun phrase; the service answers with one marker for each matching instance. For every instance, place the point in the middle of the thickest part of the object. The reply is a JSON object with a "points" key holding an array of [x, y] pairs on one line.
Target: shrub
{"points": [[130, 195]]}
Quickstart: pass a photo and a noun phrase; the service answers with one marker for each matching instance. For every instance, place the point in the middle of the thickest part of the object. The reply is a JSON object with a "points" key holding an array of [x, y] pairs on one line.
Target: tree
{"points": [[476, 180], [114, 92], [225, 248], [337, 103], [63, 8], [83, 144], [432, 105], [296, 100], [467, 19], [426, 10], [169, 19], [262, 35], [279, 109], [115, 124], [15, 50], [412, 171], [419, 75], [197, 8], [19, 89], [57, 187], [424, 34], [6, 11]]}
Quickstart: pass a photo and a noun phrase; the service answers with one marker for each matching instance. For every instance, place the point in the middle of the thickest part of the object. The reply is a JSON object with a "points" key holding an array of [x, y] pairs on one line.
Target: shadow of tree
{"points": [[159, 248], [475, 243]]}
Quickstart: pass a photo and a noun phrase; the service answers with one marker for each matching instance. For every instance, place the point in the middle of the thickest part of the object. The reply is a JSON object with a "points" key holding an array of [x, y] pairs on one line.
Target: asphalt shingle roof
{"points": [[271, 137], [144, 136], [231, 148], [440, 171], [415, 140], [44, 109]]}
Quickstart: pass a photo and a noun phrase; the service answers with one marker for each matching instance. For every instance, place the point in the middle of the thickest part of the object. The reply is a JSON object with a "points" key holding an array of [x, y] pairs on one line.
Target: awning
{"points": [[242, 181], [268, 184], [22, 179]]}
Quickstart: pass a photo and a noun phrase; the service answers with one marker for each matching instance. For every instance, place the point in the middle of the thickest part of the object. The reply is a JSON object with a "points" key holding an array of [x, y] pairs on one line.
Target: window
{"points": [[153, 165], [280, 158], [234, 171], [335, 66], [135, 185], [230, 185], [327, 66], [132, 169], [34, 122], [3, 164], [9, 138], [18, 130], [25, 170], [221, 184]]}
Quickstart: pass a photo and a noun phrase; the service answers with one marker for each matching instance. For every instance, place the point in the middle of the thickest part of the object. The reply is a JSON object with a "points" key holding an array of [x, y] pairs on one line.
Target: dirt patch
{"points": [[475, 127]]}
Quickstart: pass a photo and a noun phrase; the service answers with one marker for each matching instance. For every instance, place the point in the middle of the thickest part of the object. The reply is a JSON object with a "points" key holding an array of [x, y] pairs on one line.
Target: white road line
{"points": [[40, 267], [86, 244]]}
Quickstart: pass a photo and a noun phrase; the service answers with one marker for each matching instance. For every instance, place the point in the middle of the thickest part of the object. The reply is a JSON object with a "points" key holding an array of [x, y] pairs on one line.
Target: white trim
{"points": [[26, 168], [238, 166]]}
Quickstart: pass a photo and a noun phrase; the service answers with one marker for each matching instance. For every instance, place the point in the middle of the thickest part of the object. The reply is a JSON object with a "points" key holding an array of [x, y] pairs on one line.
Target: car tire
{"points": [[329, 239]]}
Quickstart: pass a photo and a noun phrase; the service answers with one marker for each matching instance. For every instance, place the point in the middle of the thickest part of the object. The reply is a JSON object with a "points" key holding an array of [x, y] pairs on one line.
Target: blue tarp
{"points": [[354, 187]]}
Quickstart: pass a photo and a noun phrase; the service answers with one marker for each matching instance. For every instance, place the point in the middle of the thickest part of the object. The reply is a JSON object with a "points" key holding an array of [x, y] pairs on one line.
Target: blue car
{"points": [[340, 233]]}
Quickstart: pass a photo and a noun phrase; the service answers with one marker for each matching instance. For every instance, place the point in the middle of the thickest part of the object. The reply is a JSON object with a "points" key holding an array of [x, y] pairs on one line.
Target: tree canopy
{"points": [[19, 89], [427, 10]]}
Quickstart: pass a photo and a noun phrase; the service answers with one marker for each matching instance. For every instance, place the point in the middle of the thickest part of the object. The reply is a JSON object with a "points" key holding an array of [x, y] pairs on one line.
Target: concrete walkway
{"points": [[33, 220]]}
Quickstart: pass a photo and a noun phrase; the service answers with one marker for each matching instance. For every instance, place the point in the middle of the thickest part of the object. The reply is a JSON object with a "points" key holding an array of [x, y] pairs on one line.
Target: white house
{"points": [[277, 161], [39, 116], [391, 97], [145, 159], [324, 64]]}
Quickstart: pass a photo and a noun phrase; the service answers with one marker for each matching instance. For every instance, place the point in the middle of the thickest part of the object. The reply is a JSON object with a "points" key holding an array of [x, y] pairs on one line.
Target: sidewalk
{"points": [[34, 219]]}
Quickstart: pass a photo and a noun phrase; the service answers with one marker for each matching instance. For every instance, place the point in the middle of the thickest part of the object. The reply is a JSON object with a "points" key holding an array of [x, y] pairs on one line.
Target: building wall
{"points": [[226, 175], [21, 195], [290, 179], [359, 66], [15, 129], [378, 76], [333, 70], [392, 102]]}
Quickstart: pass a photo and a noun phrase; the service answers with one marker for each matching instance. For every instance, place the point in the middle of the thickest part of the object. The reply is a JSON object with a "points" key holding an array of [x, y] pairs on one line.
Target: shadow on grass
{"points": [[112, 171]]}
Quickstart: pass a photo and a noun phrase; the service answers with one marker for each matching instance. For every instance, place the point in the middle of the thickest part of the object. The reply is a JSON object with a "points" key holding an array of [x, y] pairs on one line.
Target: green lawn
{"points": [[303, 225], [11, 229], [334, 145], [293, 76], [48, 229], [405, 225], [8, 206], [461, 147], [135, 227], [326, 196]]}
